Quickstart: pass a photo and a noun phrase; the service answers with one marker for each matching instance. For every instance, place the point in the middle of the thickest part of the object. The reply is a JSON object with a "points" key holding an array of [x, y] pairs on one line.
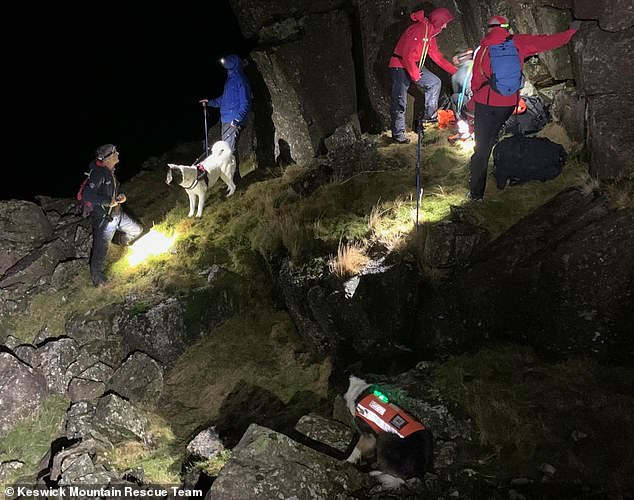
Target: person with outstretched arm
{"points": [[491, 108]]}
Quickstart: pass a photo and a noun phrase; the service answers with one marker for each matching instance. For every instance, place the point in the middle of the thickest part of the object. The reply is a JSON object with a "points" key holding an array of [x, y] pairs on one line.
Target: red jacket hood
{"points": [[495, 36], [439, 17]]}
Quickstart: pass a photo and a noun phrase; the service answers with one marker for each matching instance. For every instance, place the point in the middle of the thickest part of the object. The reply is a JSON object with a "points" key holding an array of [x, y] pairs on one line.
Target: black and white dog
{"points": [[197, 179], [397, 446]]}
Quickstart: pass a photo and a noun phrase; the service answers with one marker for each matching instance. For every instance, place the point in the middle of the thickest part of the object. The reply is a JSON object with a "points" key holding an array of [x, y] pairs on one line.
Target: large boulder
{"points": [[267, 465], [138, 379], [53, 360], [119, 420], [560, 280], [21, 391], [312, 89], [23, 228], [569, 109], [611, 141], [253, 15], [379, 302], [613, 15]]}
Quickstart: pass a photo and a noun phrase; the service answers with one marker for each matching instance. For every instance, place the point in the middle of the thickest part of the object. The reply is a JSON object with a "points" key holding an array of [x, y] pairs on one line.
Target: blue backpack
{"points": [[506, 73]]}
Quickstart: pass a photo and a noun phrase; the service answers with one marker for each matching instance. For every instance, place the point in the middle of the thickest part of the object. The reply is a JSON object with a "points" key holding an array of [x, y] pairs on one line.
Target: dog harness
{"points": [[386, 417], [201, 176]]}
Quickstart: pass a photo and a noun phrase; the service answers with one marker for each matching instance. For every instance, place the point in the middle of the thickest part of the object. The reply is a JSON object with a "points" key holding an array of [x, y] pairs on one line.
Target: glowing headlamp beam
{"points": [[151, 244]]}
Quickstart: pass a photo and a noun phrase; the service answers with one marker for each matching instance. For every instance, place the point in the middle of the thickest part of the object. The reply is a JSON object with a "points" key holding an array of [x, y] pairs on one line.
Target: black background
{"points": [[78, 76]]}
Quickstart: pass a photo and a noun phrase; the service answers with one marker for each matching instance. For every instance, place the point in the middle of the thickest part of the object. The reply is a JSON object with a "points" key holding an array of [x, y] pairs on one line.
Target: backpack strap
{"points": [[423, 54]]}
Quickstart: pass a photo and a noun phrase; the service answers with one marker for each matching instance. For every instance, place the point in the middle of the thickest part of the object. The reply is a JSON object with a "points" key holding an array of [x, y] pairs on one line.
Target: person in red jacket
{"points": [[491, 108], [407, 66]]}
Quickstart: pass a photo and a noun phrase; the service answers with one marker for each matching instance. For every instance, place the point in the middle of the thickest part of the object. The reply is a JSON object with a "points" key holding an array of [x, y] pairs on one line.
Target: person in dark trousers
{"points": [[234, 103], [491, 108], [407, 66], [107, 217]]}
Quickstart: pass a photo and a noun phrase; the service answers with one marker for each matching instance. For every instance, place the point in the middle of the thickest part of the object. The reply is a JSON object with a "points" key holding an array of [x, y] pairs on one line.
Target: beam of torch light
{"points": [[149, 245]]}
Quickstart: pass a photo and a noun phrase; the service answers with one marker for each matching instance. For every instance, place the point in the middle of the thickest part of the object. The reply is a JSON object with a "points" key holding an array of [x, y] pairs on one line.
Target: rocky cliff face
{"points": [[559, 281], [325, 63]]}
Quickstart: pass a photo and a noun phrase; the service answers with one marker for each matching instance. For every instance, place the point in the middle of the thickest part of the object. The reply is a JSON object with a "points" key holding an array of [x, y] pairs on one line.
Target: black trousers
{"points": [[103, 232], [488, 122]]}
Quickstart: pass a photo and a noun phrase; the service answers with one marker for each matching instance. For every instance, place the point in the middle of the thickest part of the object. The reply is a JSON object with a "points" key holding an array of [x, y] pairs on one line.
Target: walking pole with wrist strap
{"points": [[206, 130], [419, 187]]}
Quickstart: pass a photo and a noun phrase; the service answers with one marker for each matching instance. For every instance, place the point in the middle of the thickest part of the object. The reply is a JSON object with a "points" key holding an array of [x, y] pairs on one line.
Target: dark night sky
{"points": [[81, 76]]}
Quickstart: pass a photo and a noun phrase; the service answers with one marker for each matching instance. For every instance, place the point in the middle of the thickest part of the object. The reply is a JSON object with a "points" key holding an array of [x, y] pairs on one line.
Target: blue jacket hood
{"points": [[232, 63]]}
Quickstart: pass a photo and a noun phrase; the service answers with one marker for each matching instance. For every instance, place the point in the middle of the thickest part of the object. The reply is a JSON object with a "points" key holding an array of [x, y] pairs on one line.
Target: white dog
{"points": [[197, 179]]}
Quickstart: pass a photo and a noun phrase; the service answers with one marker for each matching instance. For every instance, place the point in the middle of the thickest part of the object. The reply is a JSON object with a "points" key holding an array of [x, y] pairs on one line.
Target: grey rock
{"points": [[344, 136], [613, 15], [268, 465], [78, 420], [611, 141], [21, 392], [53, 359], [207, 444], [26, 353], [99, 372], [75, 467], [23, 228], [9, 467], [81, 389], [139, 379], [326, 431], [119, 420]]}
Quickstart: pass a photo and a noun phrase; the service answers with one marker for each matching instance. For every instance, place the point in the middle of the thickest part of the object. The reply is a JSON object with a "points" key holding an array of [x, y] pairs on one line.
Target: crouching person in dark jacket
{"points": [[107, 217]]}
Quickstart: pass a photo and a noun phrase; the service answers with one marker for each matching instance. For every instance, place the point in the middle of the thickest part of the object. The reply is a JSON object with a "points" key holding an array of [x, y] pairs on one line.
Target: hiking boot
{"points": [[99, 280], [470, 197], [401, 140]]}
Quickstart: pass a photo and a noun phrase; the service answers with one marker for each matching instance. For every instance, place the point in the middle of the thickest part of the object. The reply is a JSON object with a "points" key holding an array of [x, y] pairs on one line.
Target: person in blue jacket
{"points": [[235, 101]]}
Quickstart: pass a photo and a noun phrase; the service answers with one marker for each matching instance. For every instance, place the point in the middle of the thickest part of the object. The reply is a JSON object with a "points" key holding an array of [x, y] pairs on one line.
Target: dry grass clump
{"points": [[350, 260], [587, 184], [389, 222], [620, 193]]}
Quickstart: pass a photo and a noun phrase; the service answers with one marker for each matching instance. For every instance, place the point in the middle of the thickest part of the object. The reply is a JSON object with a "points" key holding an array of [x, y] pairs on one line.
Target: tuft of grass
{"points": [[620, 193], [527, 412], [31, 438], [213, 466], [349, 260], [161, 460]]}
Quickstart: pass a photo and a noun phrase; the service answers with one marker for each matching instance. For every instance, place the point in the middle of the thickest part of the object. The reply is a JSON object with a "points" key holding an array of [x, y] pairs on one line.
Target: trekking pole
{"points": [[206, 131], [419, 187]]}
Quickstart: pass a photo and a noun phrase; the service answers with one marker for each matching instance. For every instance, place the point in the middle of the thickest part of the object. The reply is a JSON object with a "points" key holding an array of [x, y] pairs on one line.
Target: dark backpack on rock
{"points": [[519, 159], [530, 121]]}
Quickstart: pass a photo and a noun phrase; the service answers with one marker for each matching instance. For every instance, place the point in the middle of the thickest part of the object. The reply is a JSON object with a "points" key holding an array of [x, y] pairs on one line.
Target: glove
{"points": [[575, 25]]}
